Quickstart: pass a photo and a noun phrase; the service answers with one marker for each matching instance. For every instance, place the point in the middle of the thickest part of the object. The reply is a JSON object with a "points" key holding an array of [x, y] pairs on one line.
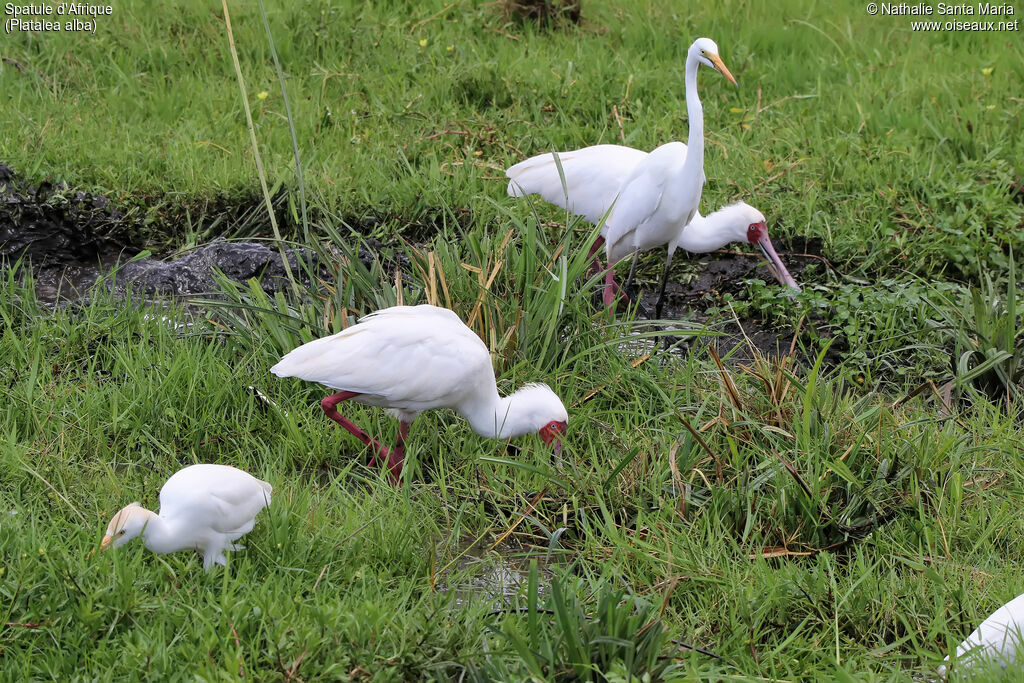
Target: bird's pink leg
{"points": [[330, 406], [610, 289], [595, 267]]}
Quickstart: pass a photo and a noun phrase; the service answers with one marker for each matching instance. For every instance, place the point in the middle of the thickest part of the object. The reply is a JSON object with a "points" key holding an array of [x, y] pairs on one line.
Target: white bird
{"points": [[592, 178], [996, 640], [202, 507], [661, 191], [413, 358]]}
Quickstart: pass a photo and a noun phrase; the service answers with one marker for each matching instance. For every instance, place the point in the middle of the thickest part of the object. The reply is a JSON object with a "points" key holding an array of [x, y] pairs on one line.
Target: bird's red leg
{"points": [[595, 266], [330, 406], [397, 456]]}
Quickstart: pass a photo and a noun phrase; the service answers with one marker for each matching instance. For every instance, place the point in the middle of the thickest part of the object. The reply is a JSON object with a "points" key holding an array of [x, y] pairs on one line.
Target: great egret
{"points": [[592, 177], [661, 191]]}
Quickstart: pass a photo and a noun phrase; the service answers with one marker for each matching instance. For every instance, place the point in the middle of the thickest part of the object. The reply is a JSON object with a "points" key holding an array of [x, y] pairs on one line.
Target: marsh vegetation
{"points": [[817, 484]]}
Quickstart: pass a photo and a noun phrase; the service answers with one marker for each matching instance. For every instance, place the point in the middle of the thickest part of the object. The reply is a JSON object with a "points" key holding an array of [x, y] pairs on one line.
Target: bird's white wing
{"points": [[220, 497], [593, 176], [406, 354], [641, 196]]}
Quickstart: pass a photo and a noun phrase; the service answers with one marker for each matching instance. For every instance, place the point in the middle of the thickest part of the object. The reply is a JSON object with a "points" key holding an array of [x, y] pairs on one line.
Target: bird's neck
{"points": [[161, 536], [693, 167], [497, 417], [704, 234]]}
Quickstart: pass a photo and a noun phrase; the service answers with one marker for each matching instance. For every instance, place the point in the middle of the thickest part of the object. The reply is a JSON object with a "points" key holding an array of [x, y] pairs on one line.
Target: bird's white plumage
{"points": [[657, 194], [656, 198], [632, 184], [997, 640], [415, 358], [224, 498], [593, 176], [203, 507], [408, 358]]}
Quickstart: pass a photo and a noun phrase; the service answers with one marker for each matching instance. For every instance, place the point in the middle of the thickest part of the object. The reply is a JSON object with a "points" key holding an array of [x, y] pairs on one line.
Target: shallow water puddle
{"points": [[494, 575]]}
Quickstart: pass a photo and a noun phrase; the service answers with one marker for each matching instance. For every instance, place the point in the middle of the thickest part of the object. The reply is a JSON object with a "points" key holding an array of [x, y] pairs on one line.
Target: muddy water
{"points": [[192, 274], [700, 281]]}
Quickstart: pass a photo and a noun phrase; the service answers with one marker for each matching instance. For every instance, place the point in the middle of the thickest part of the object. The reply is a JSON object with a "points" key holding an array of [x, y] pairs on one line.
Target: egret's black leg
{"points": [[661, 290]]}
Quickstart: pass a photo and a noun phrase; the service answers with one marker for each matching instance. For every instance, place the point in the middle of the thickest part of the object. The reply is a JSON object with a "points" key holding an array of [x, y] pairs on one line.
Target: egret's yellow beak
{"points": [[717, 61], [105, 543]]}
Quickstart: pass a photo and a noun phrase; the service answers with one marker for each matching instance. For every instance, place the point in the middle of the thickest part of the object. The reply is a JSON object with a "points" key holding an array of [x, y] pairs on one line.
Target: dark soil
{"points": [[72, 238], [53, 224], [700, 281]]}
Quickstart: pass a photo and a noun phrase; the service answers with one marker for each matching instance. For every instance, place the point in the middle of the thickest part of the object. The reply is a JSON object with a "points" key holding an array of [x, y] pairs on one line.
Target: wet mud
{"points": [[702, 281], [72, 239]]}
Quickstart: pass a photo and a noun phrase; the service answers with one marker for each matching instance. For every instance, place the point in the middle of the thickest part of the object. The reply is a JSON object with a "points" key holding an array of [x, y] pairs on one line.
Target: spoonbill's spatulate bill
{"points": [[592, 178], [202, 507], [657, 194], [998, 640], [414, 358]]}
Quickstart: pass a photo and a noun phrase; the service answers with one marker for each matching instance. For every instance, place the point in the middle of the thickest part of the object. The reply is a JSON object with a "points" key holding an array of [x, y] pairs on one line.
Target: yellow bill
{"points": [[720, 65]]}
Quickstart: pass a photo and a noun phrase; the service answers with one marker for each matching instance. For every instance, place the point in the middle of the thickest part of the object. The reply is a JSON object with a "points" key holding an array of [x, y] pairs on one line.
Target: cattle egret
{"points": [[202, 507], [996, 640]]}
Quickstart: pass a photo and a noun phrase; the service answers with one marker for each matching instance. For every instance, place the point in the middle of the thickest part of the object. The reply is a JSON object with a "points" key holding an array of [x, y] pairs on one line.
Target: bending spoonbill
{"points": [[660, 192], [202, 507], [592, 178], [996, 640], [415, 358]]}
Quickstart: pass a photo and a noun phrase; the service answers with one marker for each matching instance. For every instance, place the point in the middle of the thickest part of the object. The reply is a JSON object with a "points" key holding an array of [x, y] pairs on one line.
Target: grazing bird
{"points": [[592, 178], [203, 507], [996, 640], [655, 196], [414, 358]]}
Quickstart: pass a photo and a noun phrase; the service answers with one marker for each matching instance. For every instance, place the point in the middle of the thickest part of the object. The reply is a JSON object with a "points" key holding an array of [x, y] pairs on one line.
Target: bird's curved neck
{"points": [[704, 234], [694, 164], [161, 536], [497, 417]]}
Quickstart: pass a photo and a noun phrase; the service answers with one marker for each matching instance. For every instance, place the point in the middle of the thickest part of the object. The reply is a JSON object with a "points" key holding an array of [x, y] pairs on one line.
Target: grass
{"points": [[813, 528], [898, 150], [809, 515]]}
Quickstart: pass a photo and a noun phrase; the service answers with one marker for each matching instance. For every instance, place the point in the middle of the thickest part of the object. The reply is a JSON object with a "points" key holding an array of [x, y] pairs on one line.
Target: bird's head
{"points": [[126, 525], [543, 412], [705, 51], [552, 431], [754, 227]]}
